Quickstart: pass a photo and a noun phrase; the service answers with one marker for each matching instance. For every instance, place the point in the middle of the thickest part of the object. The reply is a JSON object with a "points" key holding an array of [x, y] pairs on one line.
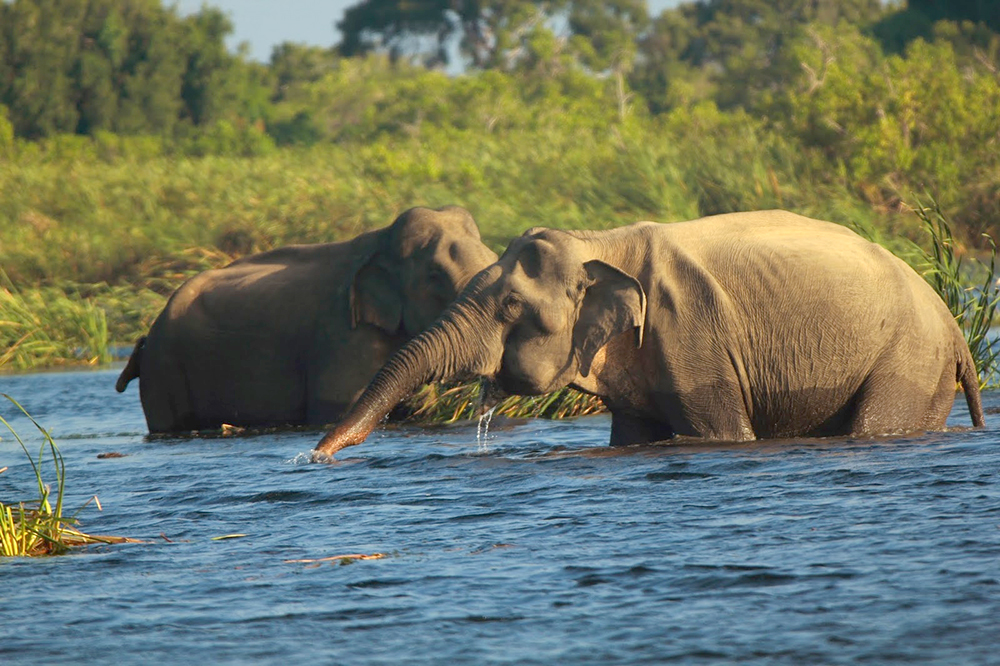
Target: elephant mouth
{"points": [[490, 395], [507, 383]]}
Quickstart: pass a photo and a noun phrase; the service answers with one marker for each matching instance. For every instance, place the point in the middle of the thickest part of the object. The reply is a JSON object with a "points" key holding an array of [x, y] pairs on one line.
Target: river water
{"points": [[538, 546]]}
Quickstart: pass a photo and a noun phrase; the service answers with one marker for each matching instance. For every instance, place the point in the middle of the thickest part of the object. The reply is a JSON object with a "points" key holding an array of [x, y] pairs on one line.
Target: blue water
{"points": [[541, 546]]}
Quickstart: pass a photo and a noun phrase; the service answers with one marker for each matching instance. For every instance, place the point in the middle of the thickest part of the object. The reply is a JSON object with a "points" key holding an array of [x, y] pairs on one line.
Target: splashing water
{"points": [[301, 459], [483, 429]]}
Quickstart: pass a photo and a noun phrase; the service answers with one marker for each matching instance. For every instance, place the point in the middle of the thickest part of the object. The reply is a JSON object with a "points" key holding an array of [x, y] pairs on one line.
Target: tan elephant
{"points": [[292, 336], [734, 327]]}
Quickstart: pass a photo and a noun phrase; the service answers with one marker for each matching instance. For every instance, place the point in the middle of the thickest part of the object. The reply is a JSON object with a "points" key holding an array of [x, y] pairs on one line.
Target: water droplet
{"points": [[483, 430]]}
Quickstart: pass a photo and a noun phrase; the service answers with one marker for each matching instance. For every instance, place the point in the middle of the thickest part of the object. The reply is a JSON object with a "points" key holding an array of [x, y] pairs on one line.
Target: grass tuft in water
{"points": [[968, 288], [39, 527]]}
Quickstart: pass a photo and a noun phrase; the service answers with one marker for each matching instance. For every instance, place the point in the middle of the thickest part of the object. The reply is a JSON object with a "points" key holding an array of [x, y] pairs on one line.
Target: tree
{"points": [[428, 27], [976, 11], [84, 66], [735, 43], [37, 44], [487, 34], [917, 20], [295, 64]]}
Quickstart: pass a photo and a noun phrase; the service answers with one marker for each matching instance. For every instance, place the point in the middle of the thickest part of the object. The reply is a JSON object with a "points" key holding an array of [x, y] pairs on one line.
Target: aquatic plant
{"points": [[968, 288], [39, 527], [435, 403]]}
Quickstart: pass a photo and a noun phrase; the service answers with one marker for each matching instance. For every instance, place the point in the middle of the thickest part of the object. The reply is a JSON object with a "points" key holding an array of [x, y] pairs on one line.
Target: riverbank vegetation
{"points": [[972, 295], [139, 151]]}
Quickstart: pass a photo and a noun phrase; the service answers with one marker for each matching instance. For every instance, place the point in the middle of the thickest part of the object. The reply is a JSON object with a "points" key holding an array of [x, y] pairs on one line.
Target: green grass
{"points": [[39, 527], [967, 286], [46, 326]]}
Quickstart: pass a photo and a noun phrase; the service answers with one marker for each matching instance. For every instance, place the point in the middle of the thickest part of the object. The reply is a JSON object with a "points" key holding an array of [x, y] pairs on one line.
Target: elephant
{"points": [[734, 327], [293, 335]]}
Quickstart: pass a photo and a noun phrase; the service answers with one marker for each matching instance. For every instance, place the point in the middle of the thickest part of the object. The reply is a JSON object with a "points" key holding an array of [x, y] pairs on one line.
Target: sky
{"points": [[264, 24]]}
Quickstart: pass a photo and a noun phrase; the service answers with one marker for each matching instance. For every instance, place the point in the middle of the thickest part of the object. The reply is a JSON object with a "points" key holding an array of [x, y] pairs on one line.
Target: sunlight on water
{"points": [[548, 547]]}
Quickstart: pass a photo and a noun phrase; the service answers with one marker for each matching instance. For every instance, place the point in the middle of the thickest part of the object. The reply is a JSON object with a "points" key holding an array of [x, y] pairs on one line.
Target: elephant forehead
{"points": [[540, 258], [415, 238], [420, 227]]}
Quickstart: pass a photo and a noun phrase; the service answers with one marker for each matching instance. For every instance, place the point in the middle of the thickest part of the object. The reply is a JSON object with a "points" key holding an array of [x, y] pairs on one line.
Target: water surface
{"points": [[540, 546]]}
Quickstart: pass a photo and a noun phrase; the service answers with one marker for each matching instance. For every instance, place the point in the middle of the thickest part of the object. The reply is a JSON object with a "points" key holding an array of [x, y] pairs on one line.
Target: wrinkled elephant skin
{"points": [[293, 336], [733, 327]]}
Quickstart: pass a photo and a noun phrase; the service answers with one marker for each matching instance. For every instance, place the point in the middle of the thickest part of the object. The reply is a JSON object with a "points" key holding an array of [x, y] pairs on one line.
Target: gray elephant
{"points": [[292, 336], [733, 327]]}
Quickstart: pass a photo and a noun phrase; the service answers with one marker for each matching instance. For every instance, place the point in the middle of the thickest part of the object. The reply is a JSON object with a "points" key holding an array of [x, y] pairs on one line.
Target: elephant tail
{"points": [[131, 370], [969, 378]]}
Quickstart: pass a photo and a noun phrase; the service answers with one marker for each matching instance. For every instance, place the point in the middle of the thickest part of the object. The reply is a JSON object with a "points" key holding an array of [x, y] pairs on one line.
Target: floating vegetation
{"points": [[436, 403], [968, 288], [349, 558], [38, 527]]}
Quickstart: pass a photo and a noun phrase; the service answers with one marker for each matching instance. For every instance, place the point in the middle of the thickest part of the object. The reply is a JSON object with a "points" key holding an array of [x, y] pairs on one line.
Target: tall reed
{"points": [[969, 288], [46, 326]]}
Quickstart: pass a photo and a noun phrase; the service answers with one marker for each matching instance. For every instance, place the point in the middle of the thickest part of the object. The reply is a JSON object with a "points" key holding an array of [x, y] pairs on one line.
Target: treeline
{"points": [[883, 100], [86, 66]]}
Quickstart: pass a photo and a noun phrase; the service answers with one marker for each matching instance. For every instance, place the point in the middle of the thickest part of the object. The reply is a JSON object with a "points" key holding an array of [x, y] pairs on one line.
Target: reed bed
{"points": [[39, 527], [45, 326], [71, 324]]}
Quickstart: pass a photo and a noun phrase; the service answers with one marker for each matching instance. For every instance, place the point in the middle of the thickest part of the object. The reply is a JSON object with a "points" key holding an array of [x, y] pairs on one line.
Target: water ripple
{"points": [[549, 547]]}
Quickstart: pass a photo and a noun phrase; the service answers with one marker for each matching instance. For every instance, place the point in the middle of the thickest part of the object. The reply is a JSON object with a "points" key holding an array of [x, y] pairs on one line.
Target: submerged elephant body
{"points": [[733, 327], [292, 336]]}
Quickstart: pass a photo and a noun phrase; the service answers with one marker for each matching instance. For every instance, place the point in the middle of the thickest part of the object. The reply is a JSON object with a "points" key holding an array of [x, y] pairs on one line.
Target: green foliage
{"points": [[6, 133], [732, 49], [891, 125], [84, 66], [975, 306], [36, 528], [514, 34], [435, 403], [919, 18], [47, 326]]}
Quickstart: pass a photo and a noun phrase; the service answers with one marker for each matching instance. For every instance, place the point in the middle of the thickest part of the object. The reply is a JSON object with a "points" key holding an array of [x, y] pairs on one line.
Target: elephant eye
{"points": [[510, 307], [437, 276]]}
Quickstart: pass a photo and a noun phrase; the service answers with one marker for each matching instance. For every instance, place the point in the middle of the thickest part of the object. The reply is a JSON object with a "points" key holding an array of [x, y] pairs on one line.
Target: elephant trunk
{"points": [[454, 347]]}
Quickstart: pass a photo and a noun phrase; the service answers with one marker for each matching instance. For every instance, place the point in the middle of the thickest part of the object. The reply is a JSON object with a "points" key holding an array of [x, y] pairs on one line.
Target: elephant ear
{"points": [[613, 303], [375, 298]]}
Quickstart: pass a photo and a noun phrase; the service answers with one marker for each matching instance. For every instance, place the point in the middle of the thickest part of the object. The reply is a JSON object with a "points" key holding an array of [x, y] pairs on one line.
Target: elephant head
{"points": [[422, 260], [532, 322]]}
